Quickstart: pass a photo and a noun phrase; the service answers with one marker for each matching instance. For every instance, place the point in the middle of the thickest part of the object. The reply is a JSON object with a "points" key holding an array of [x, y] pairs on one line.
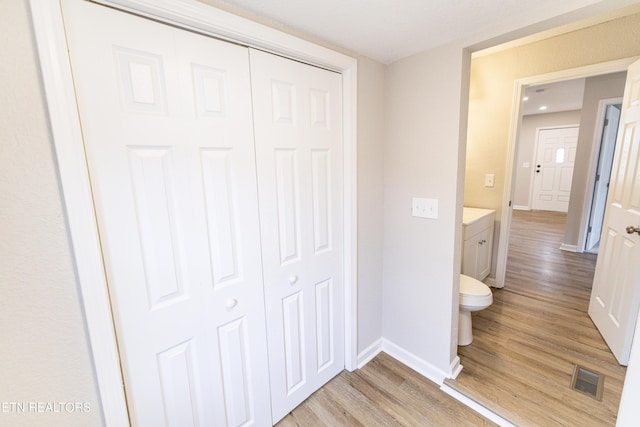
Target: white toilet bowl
{"points": [[474, 296]]}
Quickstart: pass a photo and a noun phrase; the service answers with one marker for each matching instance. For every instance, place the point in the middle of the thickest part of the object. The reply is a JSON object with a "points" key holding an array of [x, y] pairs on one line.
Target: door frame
{"points": [[594, 162], [514, 131], [74, 179], [535, 153]]}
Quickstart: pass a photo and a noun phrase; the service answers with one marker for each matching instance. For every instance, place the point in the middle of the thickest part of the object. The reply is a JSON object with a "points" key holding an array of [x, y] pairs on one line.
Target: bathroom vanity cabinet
{"points": [[477, 235]]}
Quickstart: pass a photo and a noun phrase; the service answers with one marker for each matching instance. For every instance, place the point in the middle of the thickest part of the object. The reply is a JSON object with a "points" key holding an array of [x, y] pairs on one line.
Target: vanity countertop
{"points": [[471, 215]]}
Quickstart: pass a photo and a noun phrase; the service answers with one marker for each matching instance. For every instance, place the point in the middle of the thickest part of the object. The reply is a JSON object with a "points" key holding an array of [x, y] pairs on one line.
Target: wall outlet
{"points": [[424, 208]]}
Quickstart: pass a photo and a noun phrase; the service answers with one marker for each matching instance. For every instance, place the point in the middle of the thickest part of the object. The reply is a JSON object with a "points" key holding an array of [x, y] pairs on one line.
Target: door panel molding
{"points": [[68, 145]]}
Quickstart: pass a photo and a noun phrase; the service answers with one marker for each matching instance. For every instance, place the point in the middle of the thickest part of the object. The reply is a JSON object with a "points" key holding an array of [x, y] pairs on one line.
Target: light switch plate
{"points": [[424, 208], [489, 179]]}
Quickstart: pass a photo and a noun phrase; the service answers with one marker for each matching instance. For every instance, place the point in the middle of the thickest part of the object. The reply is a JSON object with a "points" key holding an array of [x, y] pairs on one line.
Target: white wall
{"points": [[44, 352], [424, 145], [526, 150]]}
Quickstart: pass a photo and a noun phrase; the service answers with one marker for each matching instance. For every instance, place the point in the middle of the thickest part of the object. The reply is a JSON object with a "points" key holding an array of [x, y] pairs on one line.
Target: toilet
{"points": [[474, 296]]}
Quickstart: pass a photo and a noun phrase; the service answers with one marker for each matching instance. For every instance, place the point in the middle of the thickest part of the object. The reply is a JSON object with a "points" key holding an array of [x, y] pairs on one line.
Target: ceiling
{"points": [[387, 30], [562, 96]]}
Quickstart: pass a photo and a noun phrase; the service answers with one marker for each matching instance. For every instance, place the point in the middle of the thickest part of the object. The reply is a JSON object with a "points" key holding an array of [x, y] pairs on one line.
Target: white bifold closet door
{"points": [[166, 119], [298, 137], [222, 248]]}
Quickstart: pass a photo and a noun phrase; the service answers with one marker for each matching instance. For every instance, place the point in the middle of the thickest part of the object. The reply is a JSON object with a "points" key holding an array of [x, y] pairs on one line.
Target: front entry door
{"points": [[615, 297], [555, 158], [167, 125], [298, 126]]}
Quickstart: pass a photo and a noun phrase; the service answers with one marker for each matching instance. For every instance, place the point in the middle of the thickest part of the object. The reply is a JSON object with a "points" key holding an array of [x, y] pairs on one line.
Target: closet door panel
{"points": [[298, 137], [167, 125]]}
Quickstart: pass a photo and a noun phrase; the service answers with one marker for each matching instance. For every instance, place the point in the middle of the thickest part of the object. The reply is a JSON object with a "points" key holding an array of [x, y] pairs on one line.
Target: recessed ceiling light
{"points": [[526, 98], [542, 108]]}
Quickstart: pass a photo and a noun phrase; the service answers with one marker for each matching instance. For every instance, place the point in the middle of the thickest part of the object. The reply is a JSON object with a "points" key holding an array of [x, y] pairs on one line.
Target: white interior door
{"points": [[298, 122], [615, 296], [166, 119], [555, 157], [603, 174]]}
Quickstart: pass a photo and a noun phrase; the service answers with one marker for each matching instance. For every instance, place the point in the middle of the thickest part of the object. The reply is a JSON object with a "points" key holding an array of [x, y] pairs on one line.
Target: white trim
{"points": [[480, 409], [416, 363], [534, 160], [76, 191], [67, 139], [521, 208], [569, 248], [593, 168], [369, 353], [455, 368], [490, 281], [514, 130]]}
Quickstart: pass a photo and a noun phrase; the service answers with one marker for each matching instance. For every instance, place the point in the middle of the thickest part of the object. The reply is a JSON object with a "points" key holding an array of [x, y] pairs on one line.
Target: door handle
{"points": [[631, 229]]}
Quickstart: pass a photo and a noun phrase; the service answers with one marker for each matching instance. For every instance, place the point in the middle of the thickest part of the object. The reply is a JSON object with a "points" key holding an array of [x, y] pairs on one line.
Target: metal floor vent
{"points": [[587, 381]]}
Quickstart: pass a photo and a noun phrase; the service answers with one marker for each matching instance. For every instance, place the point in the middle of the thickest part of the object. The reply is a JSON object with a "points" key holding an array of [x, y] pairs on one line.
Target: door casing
{"points": [[68, 145], [514, 129]]}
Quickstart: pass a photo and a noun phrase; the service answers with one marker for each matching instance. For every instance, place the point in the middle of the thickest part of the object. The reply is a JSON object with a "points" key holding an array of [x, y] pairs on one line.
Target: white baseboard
{"points": [[521, 208], [569, 248], [366, 355], [490, 281], [414, 362], [456, 368], [482, 410]]}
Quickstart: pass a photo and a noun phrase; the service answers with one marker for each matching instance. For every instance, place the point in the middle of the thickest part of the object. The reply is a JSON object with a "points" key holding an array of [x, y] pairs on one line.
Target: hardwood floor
{"points": [[383, 393], [521, 360], [519, 364]]}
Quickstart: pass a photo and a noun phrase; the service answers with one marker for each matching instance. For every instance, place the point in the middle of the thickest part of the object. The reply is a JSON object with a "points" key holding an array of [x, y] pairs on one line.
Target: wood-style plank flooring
{"points": [[519, 364], [383, 393], [521, 360]]}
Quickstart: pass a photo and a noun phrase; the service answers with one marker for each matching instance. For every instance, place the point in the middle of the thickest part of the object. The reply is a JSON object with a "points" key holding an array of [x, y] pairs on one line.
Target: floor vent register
{"points": [[587, 381]]}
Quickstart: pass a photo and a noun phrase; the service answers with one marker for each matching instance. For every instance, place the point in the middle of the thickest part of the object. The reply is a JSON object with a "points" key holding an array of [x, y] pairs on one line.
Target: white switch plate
{"points": [[489, 179], [424, 208]]}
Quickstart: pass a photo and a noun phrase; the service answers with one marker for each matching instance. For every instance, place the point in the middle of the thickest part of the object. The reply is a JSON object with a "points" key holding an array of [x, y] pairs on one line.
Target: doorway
{"points": [[609, 118], [507, 317]]}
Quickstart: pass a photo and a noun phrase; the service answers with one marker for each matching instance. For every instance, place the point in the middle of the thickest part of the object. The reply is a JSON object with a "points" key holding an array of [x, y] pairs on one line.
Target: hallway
{"points": [[525, 345]]}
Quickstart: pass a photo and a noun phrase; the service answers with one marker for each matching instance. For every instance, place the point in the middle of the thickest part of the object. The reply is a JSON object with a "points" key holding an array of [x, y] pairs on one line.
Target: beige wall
{"points": [[44, 351], [595, 89], [424, 133], [526, 146], [491, 95], [371, 131]]}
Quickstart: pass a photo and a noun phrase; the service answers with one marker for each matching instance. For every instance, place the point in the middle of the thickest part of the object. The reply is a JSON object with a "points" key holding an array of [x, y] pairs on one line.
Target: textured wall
{"points": [[44, 351]]}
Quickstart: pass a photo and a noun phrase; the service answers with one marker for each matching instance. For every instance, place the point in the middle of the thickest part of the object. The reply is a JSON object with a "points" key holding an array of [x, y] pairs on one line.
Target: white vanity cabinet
{"points": [[477, 235]]}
